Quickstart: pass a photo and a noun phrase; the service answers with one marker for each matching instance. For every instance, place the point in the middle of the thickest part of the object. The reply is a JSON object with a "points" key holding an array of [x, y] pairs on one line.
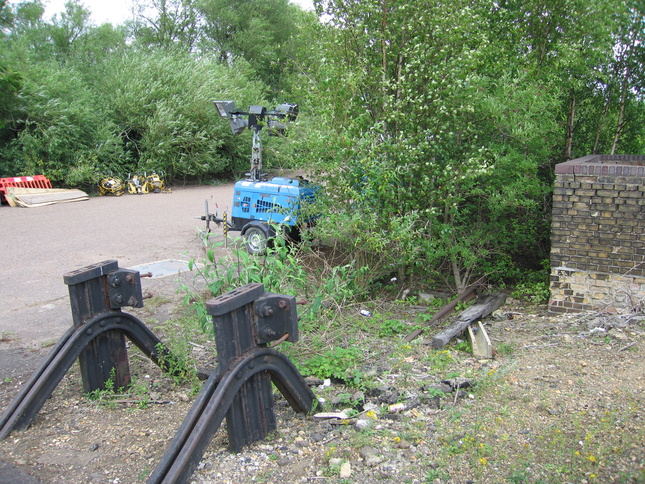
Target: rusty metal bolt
{"points": [[282, 304]]}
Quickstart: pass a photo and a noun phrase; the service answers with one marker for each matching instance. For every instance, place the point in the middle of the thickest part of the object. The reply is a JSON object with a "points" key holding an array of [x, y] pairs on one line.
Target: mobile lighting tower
{"points": [[260, 204]]}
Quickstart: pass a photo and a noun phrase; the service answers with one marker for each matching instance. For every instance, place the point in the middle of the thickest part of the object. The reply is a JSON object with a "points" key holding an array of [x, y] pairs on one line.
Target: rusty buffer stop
{"points": [[97, 340], [245, 320]]}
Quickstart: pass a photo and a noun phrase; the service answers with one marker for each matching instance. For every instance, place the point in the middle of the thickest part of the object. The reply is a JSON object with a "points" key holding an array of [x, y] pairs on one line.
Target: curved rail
{"points": [[214, 401], [39, 387]]}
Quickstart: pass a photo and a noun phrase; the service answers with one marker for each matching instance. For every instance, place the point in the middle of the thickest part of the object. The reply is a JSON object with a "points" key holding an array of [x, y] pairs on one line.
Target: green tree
{"points": [[11, 83], [68, 27], [5, 15], [53, 122], [168, 24], [451, 122], [63, 132], [163, 107], [628, 73], [264, 33]]}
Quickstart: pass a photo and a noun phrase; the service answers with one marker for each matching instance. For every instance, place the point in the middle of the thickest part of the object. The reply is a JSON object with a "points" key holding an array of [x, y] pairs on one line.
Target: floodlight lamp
{"points": [[259, 111], [289, 111], [225, 108], [238, 124]]}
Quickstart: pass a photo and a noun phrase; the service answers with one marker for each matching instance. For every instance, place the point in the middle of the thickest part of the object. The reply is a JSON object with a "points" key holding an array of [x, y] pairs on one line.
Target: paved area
{"points": [[39, 245]]}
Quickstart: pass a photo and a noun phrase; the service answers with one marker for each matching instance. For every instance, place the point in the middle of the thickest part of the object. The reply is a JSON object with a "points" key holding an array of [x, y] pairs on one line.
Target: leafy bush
{"points": [[62, 131], [337, 362], [538, 293], [390, 327], [163, 104], [359, 237]]}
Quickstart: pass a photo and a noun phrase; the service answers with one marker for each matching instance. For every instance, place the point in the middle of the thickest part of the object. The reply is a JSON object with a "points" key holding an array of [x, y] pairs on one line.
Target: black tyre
{"points": [[256, 239]]}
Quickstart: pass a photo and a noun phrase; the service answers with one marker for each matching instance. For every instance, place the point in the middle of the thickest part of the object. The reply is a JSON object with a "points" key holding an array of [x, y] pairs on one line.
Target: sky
{"points": [[117, 11]]}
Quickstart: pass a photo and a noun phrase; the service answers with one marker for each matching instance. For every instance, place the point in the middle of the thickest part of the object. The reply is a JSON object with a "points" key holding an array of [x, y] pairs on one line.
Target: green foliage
{"points": [[178, 363], [280, 271], [505, 349], [436, 121], [64, 132], [110, 395], [163, 105], [286, 268], [439, 360], [462, 346], [537, 293], [337, 362], [335, 286], [434, 474], [259, 31], [10, 86], [391, 327], [534, 287], [108, 392], [362, 238], [81, 102]]}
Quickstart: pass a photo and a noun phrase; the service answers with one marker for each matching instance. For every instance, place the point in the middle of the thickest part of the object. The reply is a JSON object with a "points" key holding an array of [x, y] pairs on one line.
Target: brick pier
{"points": [[598, 235]]}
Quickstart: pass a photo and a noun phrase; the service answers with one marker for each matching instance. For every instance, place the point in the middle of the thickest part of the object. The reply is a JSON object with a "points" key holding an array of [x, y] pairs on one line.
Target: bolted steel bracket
{"points": [[276, 317], [124, 288]]}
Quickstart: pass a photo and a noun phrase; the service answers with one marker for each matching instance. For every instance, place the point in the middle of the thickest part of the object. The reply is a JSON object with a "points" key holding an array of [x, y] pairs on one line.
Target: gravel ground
{"points": [[566, 404]]}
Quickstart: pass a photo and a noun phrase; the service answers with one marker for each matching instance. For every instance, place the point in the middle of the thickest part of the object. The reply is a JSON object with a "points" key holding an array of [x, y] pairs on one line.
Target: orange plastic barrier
{"points": [[36, 181]]}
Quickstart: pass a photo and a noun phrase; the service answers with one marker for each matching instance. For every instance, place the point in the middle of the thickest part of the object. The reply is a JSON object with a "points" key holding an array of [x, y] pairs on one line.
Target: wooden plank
{"points": [[479, 341], [481, 310], [36, 197], [467, 295]]}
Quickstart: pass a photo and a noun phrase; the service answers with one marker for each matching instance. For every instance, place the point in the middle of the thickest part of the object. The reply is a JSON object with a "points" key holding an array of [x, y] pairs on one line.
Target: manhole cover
{"points": [[163, 268]]}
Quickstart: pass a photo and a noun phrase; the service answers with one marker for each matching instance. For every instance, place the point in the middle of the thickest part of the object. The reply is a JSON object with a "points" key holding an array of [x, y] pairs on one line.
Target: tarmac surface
{"points": [[39, 245]]}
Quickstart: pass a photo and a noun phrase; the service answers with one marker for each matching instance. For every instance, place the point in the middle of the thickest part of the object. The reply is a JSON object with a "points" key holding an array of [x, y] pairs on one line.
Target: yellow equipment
{"points": [[137, 184], [111, 185], [155, 183]]}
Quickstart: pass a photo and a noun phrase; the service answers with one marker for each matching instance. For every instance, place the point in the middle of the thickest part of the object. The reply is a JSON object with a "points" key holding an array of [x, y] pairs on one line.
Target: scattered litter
{"points": [[325, 384], [396, 408], [340, 415]]}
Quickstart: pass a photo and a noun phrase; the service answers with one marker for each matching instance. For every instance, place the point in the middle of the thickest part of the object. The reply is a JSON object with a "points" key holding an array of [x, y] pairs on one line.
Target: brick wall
{"points": [[598, 235]]}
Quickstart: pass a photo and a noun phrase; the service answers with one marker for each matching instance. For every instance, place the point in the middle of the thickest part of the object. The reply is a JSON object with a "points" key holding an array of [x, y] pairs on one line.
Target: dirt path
{"points": [[40, 245]]}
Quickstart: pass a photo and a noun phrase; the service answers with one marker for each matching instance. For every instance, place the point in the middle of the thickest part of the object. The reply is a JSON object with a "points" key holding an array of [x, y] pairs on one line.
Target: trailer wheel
{"points": [[256, 239]]}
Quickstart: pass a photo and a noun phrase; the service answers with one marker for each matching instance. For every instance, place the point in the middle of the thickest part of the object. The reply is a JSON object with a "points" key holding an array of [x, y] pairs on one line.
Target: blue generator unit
{"points": [[260, 204]]}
